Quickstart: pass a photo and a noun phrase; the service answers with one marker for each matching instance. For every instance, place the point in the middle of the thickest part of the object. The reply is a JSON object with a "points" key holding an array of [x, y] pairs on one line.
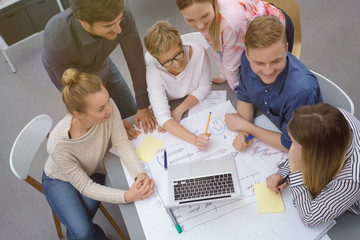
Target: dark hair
{"points": [[324, 135], [92, 11]]}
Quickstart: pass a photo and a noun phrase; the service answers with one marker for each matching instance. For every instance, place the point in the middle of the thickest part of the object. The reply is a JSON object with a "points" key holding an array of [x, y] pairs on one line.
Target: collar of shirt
{"points": [[85, 37]]}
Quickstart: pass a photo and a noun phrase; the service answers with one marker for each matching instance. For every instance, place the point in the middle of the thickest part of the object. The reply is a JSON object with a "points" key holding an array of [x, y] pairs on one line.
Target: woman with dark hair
{"points": [[323, 165]]}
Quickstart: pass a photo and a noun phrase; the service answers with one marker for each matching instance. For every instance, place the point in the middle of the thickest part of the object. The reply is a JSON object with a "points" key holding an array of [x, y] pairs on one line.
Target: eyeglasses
{"points": [[170, 62]]}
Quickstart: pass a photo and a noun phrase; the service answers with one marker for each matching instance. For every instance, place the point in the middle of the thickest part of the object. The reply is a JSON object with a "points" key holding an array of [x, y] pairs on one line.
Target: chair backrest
{"points": [[27, 144], [195, 37], [291, 7], [333, 94]]}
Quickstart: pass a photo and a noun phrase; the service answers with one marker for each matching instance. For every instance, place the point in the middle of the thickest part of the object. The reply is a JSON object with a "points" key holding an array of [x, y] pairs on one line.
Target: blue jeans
{"points": [[74, 210], [120, 92]]}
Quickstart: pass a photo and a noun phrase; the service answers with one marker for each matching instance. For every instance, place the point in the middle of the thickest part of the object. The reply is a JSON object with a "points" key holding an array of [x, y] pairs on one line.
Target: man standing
{"points": [[273, 80], [83, 37]]}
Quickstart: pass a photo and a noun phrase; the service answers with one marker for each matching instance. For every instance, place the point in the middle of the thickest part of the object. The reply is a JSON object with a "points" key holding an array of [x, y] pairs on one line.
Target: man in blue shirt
{"points": [[273, 80]]}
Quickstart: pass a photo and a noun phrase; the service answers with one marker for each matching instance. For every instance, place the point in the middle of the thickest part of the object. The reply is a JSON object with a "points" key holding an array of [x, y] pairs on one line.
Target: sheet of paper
{"points": [[236, 219], [267, 201], [148, 148], [291, 227], [214, 98]]}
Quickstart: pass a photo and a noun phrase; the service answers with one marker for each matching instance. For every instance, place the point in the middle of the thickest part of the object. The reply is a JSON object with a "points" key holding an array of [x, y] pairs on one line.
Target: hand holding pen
{"points": [[276, 182], [242, 141]]}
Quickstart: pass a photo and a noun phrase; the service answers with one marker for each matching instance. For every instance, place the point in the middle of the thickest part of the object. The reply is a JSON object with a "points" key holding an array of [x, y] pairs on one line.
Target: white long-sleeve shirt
{"points": [[164, 86], [75, 160], [340, 194]]}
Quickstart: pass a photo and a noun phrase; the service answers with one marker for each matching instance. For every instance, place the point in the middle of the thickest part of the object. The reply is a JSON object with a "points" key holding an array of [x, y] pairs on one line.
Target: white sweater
{"points": [[74, 160], [164, 86]]}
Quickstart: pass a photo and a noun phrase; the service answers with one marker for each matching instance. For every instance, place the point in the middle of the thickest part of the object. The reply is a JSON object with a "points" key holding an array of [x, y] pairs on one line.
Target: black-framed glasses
{"points": [[170, 62]]}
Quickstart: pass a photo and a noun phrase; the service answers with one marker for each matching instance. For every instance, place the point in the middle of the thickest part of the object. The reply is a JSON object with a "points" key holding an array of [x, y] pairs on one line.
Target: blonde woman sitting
{"points": [[176, 70], [74, 174]]}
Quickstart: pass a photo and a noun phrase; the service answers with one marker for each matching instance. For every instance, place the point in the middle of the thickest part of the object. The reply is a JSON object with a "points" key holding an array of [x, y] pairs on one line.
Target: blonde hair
{"points": [[263, 32], [76, 87], [214, 27], [324, 135], [160, 37]]}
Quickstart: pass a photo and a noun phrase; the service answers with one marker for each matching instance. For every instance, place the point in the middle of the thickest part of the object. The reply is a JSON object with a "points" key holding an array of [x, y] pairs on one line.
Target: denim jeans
{"points": [[74, 210], [120, 92]]}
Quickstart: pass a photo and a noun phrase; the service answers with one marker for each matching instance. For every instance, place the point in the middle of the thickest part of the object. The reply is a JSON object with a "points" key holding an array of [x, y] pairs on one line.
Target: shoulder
{"points": [[58, 32], [299, 75], [61, 130]]}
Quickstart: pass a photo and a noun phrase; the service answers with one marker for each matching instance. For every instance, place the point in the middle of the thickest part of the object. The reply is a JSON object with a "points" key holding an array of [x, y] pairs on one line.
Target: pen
{"points": [[173, 219], [165, 159], [283, 180], [248, 137], [207, 125]]}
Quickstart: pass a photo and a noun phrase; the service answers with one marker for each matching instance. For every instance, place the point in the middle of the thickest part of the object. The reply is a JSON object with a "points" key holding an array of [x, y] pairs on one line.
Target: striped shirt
{"points": [[340, 194]]}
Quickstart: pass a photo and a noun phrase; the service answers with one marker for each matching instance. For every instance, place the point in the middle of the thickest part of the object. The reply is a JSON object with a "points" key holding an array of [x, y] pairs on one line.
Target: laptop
{"points": [[205, 181]]}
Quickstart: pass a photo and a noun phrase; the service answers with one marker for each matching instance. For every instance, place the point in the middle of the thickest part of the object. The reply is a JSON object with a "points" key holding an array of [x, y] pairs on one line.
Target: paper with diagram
{"points": [[221, 220]]}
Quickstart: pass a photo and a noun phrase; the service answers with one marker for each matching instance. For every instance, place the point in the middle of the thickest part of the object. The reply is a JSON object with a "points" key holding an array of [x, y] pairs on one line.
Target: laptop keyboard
{"points": [[203, 186]]}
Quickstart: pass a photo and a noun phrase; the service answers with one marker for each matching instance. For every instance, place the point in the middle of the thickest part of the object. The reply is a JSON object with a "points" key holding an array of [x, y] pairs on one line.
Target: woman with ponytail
{"points": [[324, 163], [74, 174]]}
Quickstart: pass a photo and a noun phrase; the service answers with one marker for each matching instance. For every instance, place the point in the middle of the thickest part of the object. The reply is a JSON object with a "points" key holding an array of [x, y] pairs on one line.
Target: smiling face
{"points": [[199, 15], [268, 62], [178, 59], [108, 30], [98, 109]]}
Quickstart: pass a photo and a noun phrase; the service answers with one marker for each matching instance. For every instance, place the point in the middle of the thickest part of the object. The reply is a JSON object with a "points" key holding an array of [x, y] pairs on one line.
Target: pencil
{"points": [[207, 125]]}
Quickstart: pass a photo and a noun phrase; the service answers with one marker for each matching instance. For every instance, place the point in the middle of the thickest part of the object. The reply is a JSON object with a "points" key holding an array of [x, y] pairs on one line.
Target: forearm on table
{"points": [[189, 102], [179, 131], [269, 137], [245, 110]]}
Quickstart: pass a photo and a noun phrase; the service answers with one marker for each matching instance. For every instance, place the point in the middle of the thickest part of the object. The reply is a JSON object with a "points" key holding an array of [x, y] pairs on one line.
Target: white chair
{"points": [[23, 152], [333, 94], [195, 37]]}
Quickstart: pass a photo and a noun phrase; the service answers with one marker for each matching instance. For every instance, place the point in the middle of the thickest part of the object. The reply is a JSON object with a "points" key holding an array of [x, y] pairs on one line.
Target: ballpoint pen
{"points": [[173, 219], [165, 159], [283, 180], [248, 137]]}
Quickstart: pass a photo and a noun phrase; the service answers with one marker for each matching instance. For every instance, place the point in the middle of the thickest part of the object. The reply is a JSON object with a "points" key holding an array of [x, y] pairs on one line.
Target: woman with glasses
{"points": [[174, 71]]}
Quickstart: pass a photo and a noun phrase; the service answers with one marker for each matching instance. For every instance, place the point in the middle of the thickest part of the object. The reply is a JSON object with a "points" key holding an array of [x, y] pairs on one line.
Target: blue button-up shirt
{"points": [[294, 87]]}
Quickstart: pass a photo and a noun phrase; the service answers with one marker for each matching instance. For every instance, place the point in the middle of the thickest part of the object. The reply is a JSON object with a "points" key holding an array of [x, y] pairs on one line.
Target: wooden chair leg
{"points": [[112, 222], [58, 226]]}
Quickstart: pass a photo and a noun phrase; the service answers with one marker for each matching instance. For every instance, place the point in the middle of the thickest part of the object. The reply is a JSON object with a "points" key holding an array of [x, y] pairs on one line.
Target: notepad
{"points": [[268, 201], [148, 148]]}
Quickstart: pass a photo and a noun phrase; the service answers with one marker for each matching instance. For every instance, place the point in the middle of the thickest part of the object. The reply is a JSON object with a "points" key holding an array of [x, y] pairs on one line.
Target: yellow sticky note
{"points": [[268, 201], [148, 148]]}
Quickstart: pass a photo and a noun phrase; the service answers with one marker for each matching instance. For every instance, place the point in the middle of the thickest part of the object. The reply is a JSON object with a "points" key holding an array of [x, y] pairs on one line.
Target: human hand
{"points": [[273, 181], [130, 130], [177, 114], [142, 188], [147, 118], [218, 79], [233, 121], [240, 143], [294, 157], [145, 184], [202, 141], [161, 130]]}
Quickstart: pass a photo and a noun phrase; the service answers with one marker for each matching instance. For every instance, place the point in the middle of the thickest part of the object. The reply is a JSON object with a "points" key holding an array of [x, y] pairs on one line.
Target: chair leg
{"points": [[58, 226], [112, 222]]}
